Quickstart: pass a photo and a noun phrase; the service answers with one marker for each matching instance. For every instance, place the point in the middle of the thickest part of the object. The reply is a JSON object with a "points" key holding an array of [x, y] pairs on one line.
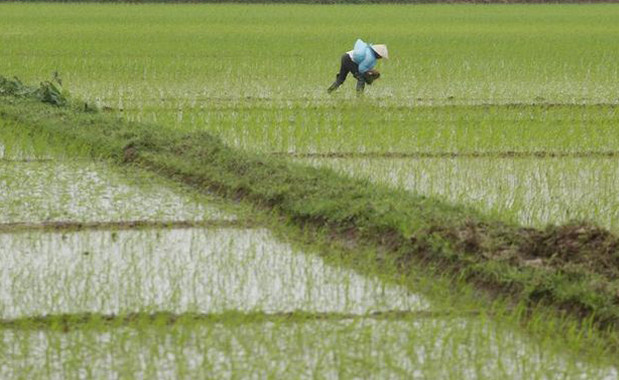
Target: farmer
{"points": [[360, 62]]}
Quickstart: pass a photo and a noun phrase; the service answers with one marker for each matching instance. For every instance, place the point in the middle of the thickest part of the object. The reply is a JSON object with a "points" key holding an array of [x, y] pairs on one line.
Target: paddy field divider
{"points": [[74, 321], [69, 226]]}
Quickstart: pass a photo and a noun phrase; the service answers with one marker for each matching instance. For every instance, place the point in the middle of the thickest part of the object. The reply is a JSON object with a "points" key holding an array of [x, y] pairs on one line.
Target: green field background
{"points": [[461, 53]]}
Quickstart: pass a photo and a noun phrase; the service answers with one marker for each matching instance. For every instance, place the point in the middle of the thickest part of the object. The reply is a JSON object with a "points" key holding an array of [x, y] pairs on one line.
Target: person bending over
{"points": [[360, 62]]}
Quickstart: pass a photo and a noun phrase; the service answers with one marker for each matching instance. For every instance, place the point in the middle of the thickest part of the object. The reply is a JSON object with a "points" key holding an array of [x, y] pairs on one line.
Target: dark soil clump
{"points": [[580, 246]]}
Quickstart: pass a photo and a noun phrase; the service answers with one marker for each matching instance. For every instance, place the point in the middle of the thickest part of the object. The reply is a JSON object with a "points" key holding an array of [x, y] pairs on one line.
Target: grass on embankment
{"points": [[573, 267]]}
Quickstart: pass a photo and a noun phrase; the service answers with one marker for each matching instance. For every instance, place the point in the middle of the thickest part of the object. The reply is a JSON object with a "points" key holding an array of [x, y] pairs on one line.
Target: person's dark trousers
{"points": [[348, 66]]}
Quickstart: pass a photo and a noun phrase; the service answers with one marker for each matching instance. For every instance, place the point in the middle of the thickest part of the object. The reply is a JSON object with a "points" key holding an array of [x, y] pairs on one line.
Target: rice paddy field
{"points": [[110, 272]]}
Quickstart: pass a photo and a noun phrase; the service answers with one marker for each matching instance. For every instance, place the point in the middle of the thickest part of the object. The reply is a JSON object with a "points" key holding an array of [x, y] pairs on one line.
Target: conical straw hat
{"points": [[381, 50]]}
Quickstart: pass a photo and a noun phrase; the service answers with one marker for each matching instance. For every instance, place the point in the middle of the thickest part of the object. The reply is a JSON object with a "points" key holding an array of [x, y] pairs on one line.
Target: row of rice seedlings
{"points": [[237, 347], [179, 270], [529, 191], [82, 191], [368, 128]]}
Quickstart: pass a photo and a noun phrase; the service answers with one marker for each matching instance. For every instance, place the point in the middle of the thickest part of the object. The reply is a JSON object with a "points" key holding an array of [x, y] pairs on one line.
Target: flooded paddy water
{"points": [[179, 270], [50, 190], [245, 285], [532, 191]]}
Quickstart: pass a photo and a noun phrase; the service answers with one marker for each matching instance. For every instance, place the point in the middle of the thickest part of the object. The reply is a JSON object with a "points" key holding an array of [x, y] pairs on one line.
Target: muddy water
{"points": [[197, 270], [446, 348], [83, 191]]}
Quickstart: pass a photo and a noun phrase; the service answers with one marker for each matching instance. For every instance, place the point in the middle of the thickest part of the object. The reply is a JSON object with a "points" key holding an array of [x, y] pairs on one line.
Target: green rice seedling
{"points": [[533, 191], [200, 271], [15, 144], [367, 128], [52, 191], [284, 347]]}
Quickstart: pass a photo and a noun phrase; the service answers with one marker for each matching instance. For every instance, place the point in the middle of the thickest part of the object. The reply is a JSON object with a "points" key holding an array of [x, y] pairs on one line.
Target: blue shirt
{"points": [[364, 56]]}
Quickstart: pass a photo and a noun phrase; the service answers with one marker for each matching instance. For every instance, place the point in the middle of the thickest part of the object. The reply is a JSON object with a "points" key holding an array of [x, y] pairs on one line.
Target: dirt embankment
{"points": [[576, 247]]}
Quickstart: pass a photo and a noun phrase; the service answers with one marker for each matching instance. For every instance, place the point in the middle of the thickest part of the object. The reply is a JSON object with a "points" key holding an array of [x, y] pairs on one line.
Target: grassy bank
{"points": [[571, 267]]}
